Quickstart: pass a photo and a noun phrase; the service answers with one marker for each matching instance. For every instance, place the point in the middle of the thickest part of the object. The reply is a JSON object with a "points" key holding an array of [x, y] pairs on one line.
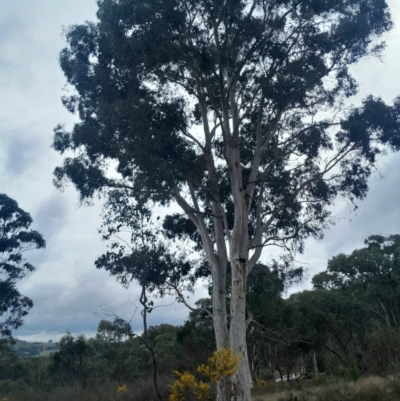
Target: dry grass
{"points": [[371, 388], [141, 390]]}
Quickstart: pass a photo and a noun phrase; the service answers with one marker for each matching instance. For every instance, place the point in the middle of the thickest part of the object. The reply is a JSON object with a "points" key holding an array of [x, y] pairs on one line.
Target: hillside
{"points": [[28, 349]]}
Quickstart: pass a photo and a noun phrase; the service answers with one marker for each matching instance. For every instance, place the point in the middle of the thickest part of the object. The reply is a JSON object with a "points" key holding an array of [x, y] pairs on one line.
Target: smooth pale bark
{"points": [[241, 382], [220, 320], [234, 337], [229, 332], [316, 370]]}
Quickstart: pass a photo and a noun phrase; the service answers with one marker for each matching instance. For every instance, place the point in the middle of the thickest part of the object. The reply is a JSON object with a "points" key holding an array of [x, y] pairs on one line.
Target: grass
{"points": [[141, 390], [372, 388]]}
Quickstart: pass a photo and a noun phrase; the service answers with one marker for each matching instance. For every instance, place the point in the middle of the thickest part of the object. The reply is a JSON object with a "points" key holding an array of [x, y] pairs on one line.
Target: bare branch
{"points": [[182, 299]]}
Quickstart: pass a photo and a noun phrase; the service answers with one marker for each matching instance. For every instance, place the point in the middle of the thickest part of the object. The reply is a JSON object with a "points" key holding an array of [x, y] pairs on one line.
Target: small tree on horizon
{"points": [[233, 111]]}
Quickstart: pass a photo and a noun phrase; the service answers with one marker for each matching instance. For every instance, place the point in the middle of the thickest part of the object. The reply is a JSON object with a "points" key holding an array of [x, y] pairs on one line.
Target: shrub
{"points": [[349, 369], [186, 388], [221, 365]]}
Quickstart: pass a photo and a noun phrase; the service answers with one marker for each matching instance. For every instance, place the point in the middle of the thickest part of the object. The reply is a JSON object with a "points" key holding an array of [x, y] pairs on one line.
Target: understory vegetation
{"points": [[339, 341]]}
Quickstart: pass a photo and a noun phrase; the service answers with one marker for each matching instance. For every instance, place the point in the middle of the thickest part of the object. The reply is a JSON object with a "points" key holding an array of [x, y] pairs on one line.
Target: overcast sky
{"points": [[67, 290]]}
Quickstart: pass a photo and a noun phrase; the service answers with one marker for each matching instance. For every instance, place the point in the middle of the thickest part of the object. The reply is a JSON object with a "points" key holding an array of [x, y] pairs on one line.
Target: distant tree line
{"points": [[347, 325]]}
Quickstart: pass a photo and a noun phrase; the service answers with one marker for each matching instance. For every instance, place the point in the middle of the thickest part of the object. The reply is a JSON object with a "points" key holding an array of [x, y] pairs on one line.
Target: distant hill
{"points": [[28, 349]]}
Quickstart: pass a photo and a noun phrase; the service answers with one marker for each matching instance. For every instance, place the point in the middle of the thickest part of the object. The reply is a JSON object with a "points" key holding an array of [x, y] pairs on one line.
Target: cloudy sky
{"points": [[68, 291]]}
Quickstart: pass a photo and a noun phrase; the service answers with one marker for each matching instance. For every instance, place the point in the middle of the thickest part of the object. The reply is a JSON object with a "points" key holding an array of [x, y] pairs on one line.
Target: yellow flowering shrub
{"points": [[203, 391], [121, 389], [222, 364], [259, 383], [186, 388]]}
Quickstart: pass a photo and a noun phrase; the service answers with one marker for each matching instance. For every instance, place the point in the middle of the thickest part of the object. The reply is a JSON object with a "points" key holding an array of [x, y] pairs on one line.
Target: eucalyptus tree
{"points": [[16, 237], [371, 275], [72, 363], [142, 258], [113, 351], [234, 111]]}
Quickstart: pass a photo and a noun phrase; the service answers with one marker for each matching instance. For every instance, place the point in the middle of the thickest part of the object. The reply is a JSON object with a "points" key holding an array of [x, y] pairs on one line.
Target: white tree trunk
{"points": [[220, 320], [314, 355], [232, 333], [241, 381]]}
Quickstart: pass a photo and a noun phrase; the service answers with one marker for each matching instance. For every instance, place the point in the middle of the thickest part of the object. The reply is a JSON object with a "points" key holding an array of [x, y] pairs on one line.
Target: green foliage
{"points": [[371, 275], [349, 369], [17, 388], [334, 324], [115, 354], [166, 347], [196, 338], [146, 77], [15, 238], [71, 364], [114, 332], [384, 347]]}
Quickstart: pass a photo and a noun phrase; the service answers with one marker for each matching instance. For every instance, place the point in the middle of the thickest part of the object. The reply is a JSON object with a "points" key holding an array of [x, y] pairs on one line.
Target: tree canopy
{"points": [[147, 73], [235, 111], [15, 238], [370, 275]]}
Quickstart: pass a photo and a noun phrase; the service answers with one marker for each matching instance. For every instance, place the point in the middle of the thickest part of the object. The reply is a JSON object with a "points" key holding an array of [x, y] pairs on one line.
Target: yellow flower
{"points": [[222, 364], [185, 387], [260, 383], [122, 388], [203, 391]]}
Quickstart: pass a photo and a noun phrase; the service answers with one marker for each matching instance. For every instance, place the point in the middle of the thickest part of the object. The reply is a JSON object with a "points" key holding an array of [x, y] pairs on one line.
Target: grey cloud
{"points": [[379, 213], [79, 308], [60, 307], [10, 25], [51, 215], [19, 156]]}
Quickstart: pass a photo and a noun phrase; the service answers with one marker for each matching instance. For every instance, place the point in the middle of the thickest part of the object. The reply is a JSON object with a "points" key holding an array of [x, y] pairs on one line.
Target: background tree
{"points": [[329, 324], [15, 238], [136, 254], [371, 275], [384, 350], [196, 337], [265, 304], [113, 350], [234, 111], [72, 363], [364, 287], [327, 329]]}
